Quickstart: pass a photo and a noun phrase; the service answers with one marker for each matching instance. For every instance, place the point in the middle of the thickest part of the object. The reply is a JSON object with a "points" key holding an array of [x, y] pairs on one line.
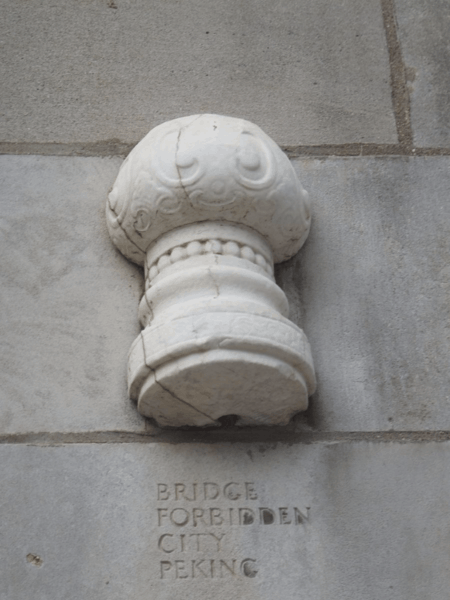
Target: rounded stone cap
{"points": [[201, 168]]}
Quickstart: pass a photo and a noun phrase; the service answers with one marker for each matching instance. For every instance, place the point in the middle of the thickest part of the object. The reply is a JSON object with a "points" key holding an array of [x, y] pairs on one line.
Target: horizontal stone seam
{"points": [[362, 150], [103, 149], [269, 436]]}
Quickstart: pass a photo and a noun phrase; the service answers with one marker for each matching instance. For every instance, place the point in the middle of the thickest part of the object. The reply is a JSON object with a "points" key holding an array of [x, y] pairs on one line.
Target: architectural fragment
{"points": [[207, 204]]}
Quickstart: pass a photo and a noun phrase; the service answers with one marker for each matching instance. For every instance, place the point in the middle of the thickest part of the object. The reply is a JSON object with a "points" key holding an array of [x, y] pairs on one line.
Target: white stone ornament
{"points": [[207, 204]]}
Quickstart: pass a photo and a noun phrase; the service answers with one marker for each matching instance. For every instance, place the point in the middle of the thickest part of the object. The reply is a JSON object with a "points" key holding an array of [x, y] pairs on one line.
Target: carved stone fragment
{"points": [[207, 204]]}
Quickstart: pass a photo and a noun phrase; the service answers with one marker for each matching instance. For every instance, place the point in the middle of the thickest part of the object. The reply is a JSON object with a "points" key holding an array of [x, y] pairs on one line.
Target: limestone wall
{"points": [[351, 500]]}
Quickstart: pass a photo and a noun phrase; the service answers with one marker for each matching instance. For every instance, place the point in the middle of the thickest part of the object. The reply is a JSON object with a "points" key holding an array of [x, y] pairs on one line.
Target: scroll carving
{"points": [[207, 204]]}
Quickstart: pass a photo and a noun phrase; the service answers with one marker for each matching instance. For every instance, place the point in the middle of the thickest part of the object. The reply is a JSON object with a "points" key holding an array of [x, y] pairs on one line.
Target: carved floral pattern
{"points": [[209, 167], [253, 155]]}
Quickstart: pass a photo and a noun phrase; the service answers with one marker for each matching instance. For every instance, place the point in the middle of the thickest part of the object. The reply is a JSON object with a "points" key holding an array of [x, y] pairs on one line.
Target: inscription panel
{"points": [[224, 531], [88, 514]]}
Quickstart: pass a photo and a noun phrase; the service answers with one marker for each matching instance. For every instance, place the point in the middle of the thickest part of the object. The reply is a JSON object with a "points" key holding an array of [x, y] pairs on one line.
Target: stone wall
{"points": [[351, 500]]}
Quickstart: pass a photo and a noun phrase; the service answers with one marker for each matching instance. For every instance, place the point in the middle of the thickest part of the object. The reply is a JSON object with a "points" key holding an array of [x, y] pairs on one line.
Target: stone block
{"points": [[371, 290], [68, 299], [423, 29], [305, 522], [313, 72]]}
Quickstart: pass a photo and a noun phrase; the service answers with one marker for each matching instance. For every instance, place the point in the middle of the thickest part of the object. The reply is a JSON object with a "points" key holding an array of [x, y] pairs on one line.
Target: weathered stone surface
{"points": [[371, 290], [424, 32], [68, 299], [308, 73], [85, 521]]}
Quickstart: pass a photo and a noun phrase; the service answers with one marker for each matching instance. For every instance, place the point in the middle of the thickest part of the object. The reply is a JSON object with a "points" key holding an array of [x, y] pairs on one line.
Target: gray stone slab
{"points": [[371, 290], [313, 72], [87, 521], [68, 299], [424, 32]]}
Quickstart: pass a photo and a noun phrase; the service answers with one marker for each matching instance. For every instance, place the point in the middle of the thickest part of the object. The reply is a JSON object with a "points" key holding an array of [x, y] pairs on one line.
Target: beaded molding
{"points": [[197, 248]]}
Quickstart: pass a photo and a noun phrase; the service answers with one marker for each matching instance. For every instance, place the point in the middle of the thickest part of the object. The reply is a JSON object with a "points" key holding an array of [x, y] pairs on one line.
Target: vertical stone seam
{"points": [[399, 90]]}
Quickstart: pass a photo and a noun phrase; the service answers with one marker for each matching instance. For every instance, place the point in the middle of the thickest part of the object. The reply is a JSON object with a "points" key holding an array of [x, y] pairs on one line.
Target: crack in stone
{"points": [[163, 387], [122, 229], [181, 400], [176, 164], [176, 154], [150, 308], [214, 283]]}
